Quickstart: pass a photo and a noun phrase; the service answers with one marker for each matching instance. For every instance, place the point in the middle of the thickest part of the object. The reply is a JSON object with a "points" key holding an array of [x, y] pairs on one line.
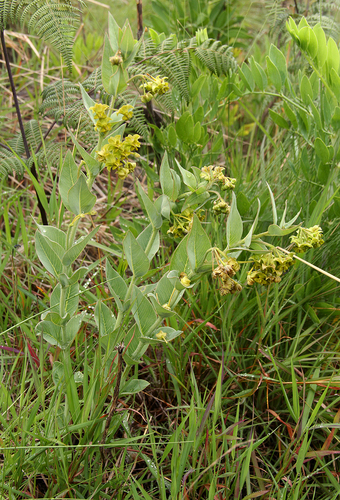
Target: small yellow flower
{"points": [[184, 279], [161, 336], [126, 111]]}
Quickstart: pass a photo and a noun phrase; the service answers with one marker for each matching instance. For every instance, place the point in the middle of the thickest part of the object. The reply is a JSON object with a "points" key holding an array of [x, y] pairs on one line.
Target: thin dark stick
{"points": [[21, 125], [139, 19], [120, 350], [44, 138], [296, 6]]}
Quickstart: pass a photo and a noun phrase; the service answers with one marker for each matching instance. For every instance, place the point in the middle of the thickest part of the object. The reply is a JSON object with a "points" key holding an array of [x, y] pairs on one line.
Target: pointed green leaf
{"points": [[104, 319], [321, 150], [321, 55], [50, 254], [116, 284], [180, 259], [274, 74], [167, 178], [198, 244], [133, 386], [234, 224], [73, 253], [92, 165], [79, 198], [53, 234], [71, 299], [247, 77], [306, 90], [188, 178], [279, 60], [68, 177], [142, 311], [154, 216], [278, 119], [144, 237], [135, 255]]}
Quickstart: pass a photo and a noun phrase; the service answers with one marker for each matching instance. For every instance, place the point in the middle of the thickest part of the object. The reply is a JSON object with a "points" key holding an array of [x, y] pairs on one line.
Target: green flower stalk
{"points": [[307, 238], [268, 268]]}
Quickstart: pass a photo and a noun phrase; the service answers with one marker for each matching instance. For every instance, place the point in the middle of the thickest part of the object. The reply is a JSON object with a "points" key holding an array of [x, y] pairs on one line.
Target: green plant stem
{"points": [[21, 125], [151, 240]]}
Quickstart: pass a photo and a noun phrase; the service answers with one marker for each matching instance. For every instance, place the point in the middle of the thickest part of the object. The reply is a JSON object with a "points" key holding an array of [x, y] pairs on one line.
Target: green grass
{"points": [[244, 404]]}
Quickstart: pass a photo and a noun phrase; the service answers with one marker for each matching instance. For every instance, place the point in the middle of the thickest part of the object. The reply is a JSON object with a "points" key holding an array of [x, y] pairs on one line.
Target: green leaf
{"points": [[127, 42], [321, 150], [104, 319], [160, 310], [116, 284], [165, 291], [185, 127], [163, 206], [246, 77], [133, 386], [274, 74], [332, 60], [135, 255], [180, 259], [279, 60], [198, 244], [323, 172], [172, 136], [171, 334], [68, 177], [234, 224], [278, 119], [336, 119], [88, 102], [71, 299], [50, 254], [92, 165], [53, 234], [196, 200], [306, 90], [275, 230], [79, 198], [142, 311], [167, 178], [113, 33], [313, 45], [73, 253], [153, 214], [144, 237], [272, 199], [335, 83], [290, 114], [304, 36], [197, 133], [197, 86], [72, 328], [107, 68], [321, 55], [188, 178], [258, 74]]}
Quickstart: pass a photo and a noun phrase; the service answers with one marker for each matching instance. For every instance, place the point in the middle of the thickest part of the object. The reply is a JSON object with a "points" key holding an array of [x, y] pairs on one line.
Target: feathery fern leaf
{"points": [[50, 19]]}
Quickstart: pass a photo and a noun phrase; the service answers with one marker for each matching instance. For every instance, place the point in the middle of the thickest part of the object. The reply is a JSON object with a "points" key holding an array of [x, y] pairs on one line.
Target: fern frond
{"points": [[52, 20], [9, 163], [217, 58]]}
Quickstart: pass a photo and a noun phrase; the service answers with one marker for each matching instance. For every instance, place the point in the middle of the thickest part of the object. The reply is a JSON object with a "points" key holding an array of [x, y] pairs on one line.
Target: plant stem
{"points": [[21, 125]]}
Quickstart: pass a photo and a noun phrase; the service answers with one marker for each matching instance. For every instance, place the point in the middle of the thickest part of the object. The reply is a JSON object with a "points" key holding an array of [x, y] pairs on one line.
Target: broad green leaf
{"points": [[180, 259], [332, 60], [144, 237], [167, 179], [88, 102], [79, 198], [316, 115], [258, 74], [323, 172], [50, 254], [142, 311], [304, 37], [73, 253], [116, 284], [118, 81], [243, 204], [290, 114], [274, 74], [153, 214], [274, 230], [113, 33], [72, 329], [335, 83], [336, 119], [172, 136], [279, 61], [278, 119], [234, 224], [107, 69], [160, 310], [198, 244], [58, 373], [53, 234], [306, 90], [197, 86], [133, 386], [68, 177], [105, 320], [188, 178], [171, 334], [197, 133], [322, 45], [78, 275], [313, 45], [127, 41], [196, 200], [163, 206], [71, 299], [321, 150], [247, 77], [135, 255], [92, 165]]}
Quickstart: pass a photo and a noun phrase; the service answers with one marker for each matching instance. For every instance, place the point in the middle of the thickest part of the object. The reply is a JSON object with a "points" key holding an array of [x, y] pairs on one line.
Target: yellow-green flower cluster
{"points": [[221, 207], [154, 87], [103, 122], [215, 174], [307, 238], [126, 112], [116, 152], [268, 268], [183, 277], [224, 272], [183, 222]]}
